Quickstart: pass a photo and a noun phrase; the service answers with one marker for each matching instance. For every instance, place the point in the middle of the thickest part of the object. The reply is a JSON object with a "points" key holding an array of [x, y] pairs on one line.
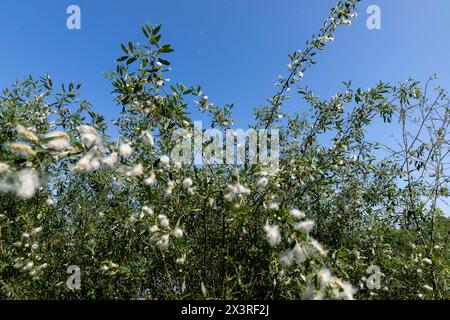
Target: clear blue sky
{"points": [[234, 48]]}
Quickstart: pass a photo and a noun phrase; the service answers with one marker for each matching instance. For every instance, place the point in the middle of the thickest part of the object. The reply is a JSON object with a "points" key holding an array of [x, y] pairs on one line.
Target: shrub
{"points": [[140, 225]]}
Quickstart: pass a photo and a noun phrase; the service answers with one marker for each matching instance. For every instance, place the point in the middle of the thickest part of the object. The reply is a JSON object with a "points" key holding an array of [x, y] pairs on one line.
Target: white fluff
{"points": [[273, 235], [297, 213], [148, 138], [28, 183], [125, 150]]}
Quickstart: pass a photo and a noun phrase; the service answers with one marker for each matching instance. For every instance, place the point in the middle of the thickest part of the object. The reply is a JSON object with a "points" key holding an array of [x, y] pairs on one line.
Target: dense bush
{"points": [[140, 225]]}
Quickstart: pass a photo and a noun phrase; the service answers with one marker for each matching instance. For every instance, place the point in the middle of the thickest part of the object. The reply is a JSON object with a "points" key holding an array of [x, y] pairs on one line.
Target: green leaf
{"points": [[123, 58], [131, 60], [166, 49], [124, 48], [165, 62], [156, 29]]}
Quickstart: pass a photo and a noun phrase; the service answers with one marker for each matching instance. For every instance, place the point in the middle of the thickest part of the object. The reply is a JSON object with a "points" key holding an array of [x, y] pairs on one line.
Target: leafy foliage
{"points": [[141, 226]]}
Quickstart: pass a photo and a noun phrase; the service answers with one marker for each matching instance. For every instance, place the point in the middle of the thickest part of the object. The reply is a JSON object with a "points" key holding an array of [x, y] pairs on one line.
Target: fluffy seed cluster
{"points": [[326, 286], [125, 150], [273, 234], [236, 191], [25, 184], [57, 141], [89, 136]]}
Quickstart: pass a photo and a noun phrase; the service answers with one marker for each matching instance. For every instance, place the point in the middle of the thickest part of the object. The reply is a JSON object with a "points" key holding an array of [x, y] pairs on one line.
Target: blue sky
{"points": [[234, 48]]}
